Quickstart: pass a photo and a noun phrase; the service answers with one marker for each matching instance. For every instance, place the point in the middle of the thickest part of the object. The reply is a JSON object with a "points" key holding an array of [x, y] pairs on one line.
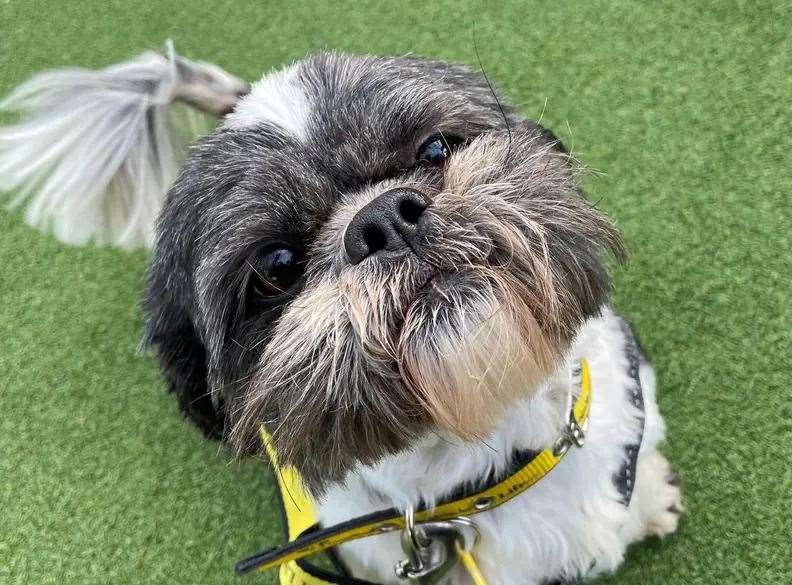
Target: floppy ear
{"points": [[182, 356]]}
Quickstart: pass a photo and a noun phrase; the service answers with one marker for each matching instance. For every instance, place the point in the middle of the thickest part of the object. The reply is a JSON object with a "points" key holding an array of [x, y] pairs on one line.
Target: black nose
{"points": [[391, 222]]}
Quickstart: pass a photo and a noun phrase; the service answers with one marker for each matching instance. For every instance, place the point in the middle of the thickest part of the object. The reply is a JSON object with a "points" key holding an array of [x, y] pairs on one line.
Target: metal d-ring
{"points": [[431, 547], [413, 540], [574, 433]]}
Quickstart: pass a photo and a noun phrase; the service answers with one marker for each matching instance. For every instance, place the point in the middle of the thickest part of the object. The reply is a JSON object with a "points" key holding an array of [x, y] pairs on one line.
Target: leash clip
{"points": [[431, 547]]}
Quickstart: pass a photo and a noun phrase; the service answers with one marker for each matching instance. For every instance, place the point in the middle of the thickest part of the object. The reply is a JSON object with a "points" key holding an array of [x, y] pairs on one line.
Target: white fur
{"points": [[569, 524], [95, 151], [278, 98]]}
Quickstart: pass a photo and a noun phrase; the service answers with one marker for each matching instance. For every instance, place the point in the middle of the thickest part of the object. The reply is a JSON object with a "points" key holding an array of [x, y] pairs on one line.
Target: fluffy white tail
{"points": [[94, 152]]}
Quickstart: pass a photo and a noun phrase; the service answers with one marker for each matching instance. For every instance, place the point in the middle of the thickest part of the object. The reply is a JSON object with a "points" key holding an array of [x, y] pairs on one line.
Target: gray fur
{"points": [[360, 360]]}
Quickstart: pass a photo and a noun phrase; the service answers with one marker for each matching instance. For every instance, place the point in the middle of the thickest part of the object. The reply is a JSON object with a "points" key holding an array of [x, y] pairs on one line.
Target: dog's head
{"points": [[368, 249]]}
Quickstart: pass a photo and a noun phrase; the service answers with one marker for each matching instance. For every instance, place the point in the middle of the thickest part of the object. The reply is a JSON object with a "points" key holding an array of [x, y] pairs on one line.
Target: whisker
{"points": [[492, 90]]}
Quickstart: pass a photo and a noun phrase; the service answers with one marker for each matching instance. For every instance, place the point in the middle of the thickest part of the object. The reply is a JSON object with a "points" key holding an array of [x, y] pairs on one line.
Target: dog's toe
{"points": [[660, 495], [666, 522]]}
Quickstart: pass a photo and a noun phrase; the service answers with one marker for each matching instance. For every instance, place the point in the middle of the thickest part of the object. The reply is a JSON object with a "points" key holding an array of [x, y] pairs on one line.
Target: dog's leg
{"points": [[656, 504], [657, 500]]}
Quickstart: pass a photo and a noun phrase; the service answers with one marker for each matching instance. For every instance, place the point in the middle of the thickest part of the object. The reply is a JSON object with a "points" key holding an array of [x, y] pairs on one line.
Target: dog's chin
{"points": [[468, 348], [464, 350]]}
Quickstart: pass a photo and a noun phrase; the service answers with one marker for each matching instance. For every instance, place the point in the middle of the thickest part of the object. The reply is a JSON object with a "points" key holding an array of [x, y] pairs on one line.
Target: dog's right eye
{"points": [[436, 149], [275, 270]]}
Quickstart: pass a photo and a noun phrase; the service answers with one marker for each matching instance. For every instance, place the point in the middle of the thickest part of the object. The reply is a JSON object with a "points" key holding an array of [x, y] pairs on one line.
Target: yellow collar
{"points": [[305, 537]]}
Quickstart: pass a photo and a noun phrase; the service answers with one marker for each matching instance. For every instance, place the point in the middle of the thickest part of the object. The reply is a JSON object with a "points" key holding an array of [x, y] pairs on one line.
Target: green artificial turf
{"points": [[684, 107]]}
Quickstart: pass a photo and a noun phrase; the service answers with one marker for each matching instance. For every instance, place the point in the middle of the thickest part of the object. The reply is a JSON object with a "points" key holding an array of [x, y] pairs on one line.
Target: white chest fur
{"points": [[571, 523]]}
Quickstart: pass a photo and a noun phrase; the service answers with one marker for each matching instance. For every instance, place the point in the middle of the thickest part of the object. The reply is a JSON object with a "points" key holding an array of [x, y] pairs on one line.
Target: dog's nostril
{"points": [[374, 238], [389, 222], [411, 210]]}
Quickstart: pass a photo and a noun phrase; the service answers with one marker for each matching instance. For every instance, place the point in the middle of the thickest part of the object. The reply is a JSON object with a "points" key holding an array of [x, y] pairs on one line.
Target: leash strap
{"points": [[305, 537], [470, 565]]}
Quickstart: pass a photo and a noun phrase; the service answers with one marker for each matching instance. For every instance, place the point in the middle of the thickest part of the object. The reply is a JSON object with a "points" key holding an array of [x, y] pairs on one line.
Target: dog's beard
{"points": [[470, 349], [370, 357]]}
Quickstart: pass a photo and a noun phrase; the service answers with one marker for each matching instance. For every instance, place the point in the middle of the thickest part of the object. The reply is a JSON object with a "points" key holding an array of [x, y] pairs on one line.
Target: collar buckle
{"points": [[573, 433]]}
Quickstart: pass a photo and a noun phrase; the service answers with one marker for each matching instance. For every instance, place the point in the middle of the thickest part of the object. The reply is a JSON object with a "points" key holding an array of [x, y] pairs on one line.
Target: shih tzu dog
{"points": [[386, 266]]}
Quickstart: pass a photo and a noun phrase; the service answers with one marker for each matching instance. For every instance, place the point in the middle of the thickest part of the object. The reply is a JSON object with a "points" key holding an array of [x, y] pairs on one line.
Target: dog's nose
{"points": [[391, 222]]}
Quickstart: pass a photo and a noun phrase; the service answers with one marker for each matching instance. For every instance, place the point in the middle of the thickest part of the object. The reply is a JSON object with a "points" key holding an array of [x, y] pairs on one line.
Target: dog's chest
{"points": [[562, 524]]}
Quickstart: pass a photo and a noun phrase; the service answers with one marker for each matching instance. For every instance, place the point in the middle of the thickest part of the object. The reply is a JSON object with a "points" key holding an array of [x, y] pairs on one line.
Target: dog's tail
{"points": [[94, 152]]}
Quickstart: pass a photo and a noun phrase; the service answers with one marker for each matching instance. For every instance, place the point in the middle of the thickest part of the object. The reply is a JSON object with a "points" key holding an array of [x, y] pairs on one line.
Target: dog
{"points": [[395, 273]]}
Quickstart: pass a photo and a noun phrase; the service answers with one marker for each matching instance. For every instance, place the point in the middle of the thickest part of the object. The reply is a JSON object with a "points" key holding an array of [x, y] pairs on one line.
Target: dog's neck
{"points": [[441, 464]]}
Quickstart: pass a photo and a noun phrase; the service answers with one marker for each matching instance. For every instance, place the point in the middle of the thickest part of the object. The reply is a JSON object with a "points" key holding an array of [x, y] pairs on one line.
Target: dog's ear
{"points": [[182, 355]]}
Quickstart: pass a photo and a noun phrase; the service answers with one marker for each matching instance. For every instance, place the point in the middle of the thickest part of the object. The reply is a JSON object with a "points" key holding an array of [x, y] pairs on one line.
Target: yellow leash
{"points": [[305, 538], [469, 563]]}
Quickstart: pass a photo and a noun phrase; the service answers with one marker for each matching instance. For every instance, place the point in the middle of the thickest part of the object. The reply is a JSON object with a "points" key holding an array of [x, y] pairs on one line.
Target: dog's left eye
{"points": [[275, 270], [434, 150]]}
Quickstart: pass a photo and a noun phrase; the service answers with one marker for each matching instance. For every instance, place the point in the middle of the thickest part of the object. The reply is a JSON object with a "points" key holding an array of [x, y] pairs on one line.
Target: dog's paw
{"points": [[659, 495]]}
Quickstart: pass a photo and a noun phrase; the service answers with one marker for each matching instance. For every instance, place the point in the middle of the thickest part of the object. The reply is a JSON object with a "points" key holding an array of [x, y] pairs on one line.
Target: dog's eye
{"points": [[435, 150], [275, 270]]}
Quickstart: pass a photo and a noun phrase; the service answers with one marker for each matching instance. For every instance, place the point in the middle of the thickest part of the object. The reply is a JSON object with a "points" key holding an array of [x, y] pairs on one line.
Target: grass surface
{"points": [[685, 108]]}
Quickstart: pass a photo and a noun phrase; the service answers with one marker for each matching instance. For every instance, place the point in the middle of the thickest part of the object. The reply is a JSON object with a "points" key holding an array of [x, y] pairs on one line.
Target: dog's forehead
{"points": [[331, 96], [278, 99]]}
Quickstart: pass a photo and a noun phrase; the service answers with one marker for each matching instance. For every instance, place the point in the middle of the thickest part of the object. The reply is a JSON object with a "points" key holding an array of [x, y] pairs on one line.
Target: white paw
{"points": [[658, 495]]}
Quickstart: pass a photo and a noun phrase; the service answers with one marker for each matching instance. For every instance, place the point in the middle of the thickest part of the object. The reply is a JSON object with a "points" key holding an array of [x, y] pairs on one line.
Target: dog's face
{"points": [[368, 249]]}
